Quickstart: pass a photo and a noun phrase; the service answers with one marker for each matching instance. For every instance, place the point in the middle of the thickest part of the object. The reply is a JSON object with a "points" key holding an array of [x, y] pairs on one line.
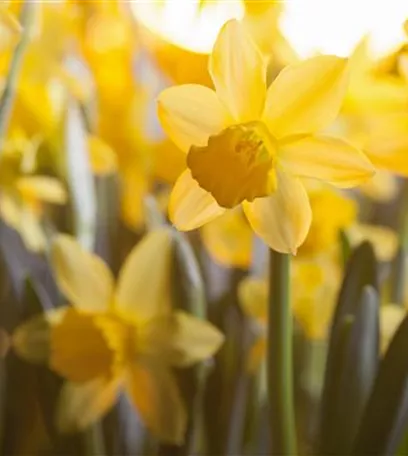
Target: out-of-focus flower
{"points": [[313, 301], [229, 239], [250, 146], [44, 82], [23, 193], [102, 158], [118, 338], [10, 28]]}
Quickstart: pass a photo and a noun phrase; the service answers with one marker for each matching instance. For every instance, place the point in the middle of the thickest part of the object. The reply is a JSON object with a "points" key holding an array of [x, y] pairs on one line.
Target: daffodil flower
{"points": [[249, 145], [123, 338], [23, 193]]}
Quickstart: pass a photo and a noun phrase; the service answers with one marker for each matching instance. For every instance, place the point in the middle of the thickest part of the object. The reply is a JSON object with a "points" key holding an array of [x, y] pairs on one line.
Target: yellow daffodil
{"points": [[23, 194], [118, 338], [249, 145]]}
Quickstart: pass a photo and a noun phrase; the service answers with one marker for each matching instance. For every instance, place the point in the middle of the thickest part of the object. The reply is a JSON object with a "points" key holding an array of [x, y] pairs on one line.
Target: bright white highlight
{"points": [[336, 26], [187, 23]]}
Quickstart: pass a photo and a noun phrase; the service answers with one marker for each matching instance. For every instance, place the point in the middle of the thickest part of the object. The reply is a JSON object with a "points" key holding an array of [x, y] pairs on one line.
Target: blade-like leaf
{"points": [[361, 270], [356, 359], [386, 414]]}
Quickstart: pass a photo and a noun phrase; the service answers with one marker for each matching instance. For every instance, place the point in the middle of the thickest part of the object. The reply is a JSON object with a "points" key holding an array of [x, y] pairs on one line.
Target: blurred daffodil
{"points": [[313, 301], [23, 193], [249, 145], [123, 338]]}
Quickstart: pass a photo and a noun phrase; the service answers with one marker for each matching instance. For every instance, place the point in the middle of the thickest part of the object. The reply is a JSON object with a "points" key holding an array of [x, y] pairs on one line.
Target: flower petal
{"points": [[84, 278], [283, 219], [328, 159], [190, 206], [79, 350], [306, 96], [144, 281], [253, 298], [384, 240], [31, 340], [238, 71], [229, 239], [42, 188], [190, 114], [102, 157], [180, 339], [31, 230], [155, 395], [81, 404]]}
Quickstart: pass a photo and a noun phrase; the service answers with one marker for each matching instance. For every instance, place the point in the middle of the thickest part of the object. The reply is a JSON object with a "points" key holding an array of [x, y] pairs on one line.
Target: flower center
{"points": [[236, 165]]}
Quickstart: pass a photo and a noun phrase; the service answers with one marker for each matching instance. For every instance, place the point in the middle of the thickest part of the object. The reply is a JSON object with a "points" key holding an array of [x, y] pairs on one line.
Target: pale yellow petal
{"points": [[81, 404], [253, 298], [190, 113], [42, 188], [391, 316], [238, 71], [403, 65], [307, 96], [257, 354], [190, 206], [102, 157], [31, 340], [154, 393], [328, 159], [83, 277], [383, 187], [10, 211], [31, 230], [229, 239], [144, 281], [384, 240], [283, 219], [180, 339]]}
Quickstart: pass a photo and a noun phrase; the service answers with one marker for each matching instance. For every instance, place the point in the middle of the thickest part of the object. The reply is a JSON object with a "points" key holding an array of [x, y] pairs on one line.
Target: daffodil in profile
{"points": [[248, 145], [123, 338]]}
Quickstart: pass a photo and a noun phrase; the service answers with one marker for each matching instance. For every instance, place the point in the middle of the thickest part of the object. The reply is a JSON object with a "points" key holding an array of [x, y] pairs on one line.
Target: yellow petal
{"points": [[144, 281], [190, 114], [180, 339], [256, 354], [101, 156], [253, 298], [134, 187], [31, 230], [190, 206], [10, 211], [403, 65], [84, 278], [238, 71], [306, 97], [79, 350], [81, 404], [31, 340], [328, 159], [391, 316], [283, 219], [229, 239], [384, 240], [155, 395], [41, 188], [383, 187]]}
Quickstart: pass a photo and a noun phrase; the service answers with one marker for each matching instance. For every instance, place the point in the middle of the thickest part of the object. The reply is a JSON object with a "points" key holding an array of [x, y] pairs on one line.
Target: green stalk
{"points": [[280, 358], [7, 97]]}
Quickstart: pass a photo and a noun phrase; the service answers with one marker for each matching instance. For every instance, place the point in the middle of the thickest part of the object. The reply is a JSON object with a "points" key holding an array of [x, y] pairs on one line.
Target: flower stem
{"points": [[280, 358]]}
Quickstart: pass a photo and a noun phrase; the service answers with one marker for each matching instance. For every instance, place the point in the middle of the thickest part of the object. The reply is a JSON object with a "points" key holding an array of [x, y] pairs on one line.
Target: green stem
{"points": [[280, 358], [7, 98]]}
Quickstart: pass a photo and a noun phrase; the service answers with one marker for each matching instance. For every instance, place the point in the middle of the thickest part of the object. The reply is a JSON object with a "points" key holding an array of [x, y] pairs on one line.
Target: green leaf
{"points": [[361, 271], [386, 414], [355, 359]]}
